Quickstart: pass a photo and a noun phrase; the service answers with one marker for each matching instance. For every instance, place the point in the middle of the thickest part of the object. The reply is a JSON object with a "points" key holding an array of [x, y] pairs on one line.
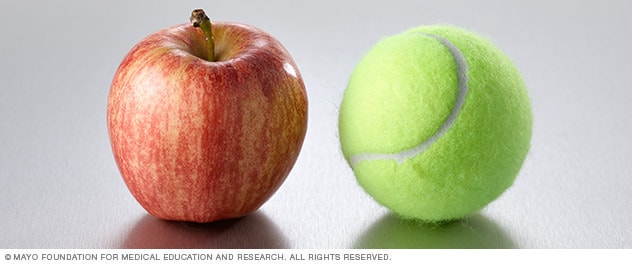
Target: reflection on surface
{"points": [[474, 232], [252, 231]]}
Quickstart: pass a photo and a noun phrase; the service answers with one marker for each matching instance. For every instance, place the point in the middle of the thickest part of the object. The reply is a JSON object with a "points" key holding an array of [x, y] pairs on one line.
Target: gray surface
{"points": [[60, 188]]}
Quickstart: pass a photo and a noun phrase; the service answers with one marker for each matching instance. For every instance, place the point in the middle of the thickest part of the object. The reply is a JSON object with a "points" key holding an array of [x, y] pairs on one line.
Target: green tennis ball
{"points": [[435, 123]]}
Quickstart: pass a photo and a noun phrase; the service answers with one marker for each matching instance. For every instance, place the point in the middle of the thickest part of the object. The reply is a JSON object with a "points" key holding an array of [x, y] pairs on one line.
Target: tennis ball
{"points": [[435, 123]]}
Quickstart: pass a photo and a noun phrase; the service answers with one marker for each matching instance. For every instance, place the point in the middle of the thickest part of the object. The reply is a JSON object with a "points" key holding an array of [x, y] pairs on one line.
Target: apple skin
{"points": [[201, 141]]}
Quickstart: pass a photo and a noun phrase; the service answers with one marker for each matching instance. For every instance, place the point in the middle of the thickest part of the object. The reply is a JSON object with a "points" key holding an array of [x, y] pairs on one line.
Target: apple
{"points": [[205, 123]]}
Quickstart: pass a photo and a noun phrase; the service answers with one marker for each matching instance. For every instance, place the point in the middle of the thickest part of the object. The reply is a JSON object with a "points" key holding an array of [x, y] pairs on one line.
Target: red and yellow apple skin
{"points": [[200, 141]]}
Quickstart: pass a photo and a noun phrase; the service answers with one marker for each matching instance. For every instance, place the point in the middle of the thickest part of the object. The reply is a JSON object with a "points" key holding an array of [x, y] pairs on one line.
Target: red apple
{"points": [[199, 140]]}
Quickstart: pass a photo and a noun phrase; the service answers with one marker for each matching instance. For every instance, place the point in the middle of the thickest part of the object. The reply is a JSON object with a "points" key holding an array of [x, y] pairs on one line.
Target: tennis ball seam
{"points": [[462, 87]]}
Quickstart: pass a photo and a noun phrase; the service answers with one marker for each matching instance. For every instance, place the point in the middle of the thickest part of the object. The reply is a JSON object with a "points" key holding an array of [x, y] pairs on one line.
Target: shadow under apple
{"points": [[255, 230], [475, 231]]}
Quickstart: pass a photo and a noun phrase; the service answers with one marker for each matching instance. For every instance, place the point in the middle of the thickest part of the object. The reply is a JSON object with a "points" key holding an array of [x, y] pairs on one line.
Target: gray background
{"points": [[60, 188]]}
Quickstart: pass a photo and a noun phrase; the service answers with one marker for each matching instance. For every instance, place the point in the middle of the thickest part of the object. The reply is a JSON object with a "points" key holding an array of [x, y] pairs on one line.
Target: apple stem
{"points": [[199, 19]]}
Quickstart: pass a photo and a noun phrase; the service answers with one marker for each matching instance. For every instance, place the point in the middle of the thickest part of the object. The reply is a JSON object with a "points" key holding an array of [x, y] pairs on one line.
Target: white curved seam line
{"points": [[402, 156]]}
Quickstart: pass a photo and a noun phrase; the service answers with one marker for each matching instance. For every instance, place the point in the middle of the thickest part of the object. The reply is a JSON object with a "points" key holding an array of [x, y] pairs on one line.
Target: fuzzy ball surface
{"points": [[435, 123]]}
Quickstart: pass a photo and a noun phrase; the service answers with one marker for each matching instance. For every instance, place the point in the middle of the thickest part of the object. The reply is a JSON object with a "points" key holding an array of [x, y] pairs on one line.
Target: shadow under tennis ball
{"points": [[476, 231]]}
